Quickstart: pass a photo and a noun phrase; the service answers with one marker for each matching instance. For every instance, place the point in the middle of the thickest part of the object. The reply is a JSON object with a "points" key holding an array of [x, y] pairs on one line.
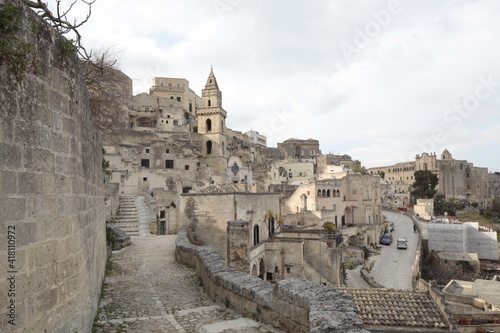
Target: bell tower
{"points": [[212, 124], [211, 116]]}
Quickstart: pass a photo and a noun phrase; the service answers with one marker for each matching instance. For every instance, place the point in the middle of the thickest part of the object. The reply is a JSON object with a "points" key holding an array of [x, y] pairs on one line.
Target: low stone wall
{"points": [[294, 305]]}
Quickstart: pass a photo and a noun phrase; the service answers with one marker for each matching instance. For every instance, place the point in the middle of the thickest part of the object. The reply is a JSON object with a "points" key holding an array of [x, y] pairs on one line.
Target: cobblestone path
{"points": [[146, 290], [355, 280]]}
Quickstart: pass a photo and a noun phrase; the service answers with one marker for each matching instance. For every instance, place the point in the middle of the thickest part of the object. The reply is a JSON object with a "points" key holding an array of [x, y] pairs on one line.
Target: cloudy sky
{"points": [[378, 80]]}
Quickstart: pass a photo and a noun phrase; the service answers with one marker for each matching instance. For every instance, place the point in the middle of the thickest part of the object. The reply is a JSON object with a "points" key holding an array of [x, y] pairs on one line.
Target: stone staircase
{"points": [[145, 216], [127, 218]]}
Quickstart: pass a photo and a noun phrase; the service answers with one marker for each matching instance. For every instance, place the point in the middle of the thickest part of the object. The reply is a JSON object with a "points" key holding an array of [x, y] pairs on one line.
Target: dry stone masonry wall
{"points": [[294, 305], [51, 191]]}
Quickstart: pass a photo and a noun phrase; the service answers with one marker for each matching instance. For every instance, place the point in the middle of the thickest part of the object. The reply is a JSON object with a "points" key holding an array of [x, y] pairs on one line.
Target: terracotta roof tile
{"points": [[220, 188], [382, 307]]}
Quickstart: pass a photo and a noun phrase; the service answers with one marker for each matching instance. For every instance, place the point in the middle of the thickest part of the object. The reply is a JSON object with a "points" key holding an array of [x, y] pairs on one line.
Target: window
{"points": [[169, 164], [167, 151], [256, 235], [176, 122], [147, 150], [288, 269], [144, 179], [145, 163], [179, 98], [186, 167], [186, 189], [171, 97], [190, 107], [209, 147], [209, 103], [208, 125]]}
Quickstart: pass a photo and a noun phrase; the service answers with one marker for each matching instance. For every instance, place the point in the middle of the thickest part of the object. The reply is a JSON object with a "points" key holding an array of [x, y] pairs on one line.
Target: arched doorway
{"points": [[262, 268], [254, 270], [304, 201]]}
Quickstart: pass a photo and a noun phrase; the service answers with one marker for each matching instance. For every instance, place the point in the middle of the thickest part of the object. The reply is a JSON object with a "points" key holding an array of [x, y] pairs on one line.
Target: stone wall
{"points": [[294, 305], [207, 215], [51, 191]]}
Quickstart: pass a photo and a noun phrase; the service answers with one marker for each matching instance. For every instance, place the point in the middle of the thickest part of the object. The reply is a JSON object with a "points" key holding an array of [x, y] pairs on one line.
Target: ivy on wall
{"points": [[15, 53]]}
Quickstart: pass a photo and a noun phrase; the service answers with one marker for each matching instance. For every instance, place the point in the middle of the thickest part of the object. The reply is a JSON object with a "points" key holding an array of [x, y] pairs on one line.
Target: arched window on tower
{"points": [[209, 103], [209, 147], [209, 125]]}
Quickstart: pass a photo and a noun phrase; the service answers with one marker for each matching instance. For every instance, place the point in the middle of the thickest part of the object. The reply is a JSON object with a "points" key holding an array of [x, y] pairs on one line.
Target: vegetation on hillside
{"points": [[425, 184]]}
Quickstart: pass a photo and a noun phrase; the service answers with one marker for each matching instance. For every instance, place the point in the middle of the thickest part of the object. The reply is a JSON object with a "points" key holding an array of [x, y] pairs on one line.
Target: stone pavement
{"points": [[146, 290], [355, 280]]}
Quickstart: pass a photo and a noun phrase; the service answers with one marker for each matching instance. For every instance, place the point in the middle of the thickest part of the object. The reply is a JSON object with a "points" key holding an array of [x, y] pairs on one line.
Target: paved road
{"points": [[146, 291], [392, 268]]}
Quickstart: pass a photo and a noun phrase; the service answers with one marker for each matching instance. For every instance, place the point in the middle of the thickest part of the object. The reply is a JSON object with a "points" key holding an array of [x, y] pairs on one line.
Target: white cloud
{"points": [[380, 106]]}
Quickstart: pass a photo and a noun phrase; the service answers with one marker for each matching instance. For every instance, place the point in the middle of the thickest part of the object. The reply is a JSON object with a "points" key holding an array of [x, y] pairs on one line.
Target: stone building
{"points": [[457, 178], [395, 194], [298, 149], [176, 89], [326, 162], [494, 184], [208, 211], [177, 153]]}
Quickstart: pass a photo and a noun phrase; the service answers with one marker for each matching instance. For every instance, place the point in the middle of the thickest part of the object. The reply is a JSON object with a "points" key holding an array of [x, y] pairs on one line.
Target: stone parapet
{"points": [[294, 305]]}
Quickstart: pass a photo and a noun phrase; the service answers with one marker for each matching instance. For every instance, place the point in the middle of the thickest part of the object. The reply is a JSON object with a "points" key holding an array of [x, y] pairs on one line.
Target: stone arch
{"points": [[349, 215], [254, 270], [262, 268], [323, 193], [304, 201], [319, 193], [328, 193], [208, 124]]}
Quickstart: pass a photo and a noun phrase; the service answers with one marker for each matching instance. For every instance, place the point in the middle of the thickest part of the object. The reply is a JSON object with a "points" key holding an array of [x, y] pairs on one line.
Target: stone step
{"points": [[128, 218]]}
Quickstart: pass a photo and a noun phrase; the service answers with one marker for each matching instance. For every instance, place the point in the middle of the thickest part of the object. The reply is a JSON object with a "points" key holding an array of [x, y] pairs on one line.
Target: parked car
{"points": [[402, 243], [392, 227], [386, 239]]}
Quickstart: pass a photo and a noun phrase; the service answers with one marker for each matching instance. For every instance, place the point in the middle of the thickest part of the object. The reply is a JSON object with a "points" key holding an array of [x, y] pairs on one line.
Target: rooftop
{"points": [[397, 308], [220, 188]]}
